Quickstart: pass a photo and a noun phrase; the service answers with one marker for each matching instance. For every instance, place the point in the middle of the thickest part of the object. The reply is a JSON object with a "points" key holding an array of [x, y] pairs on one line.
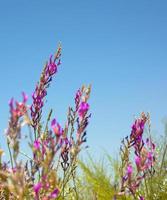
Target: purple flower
{"points": [[37, 144], [37, 187], [136, 135], [129, 170], [137, 161], [41, 89], [78, 98], [54, 194], [83, 108], [17, 111]]}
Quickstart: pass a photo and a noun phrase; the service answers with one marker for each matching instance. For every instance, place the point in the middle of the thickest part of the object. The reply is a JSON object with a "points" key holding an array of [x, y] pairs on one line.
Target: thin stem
{"points": [[48, 119], [24, 154], [75, 188], [10, 153], [66, 178]]}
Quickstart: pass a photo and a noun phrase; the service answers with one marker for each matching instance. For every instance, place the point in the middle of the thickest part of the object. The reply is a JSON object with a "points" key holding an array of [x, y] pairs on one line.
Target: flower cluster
{"points": [[133, 172], [146, 158], [48, 169], [136, 135], [58, 131], [54, 148], [18, 110], [41, 89], [38, 187]]}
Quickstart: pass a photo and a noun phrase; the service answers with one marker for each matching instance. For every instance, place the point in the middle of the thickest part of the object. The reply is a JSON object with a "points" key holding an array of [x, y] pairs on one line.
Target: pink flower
{"points": [[54, 194], [138, 162], [17, 111], [36, 144], [58, 131], [136, 135], [83, 108], [37, 187], [20, 108], [129, 170]]}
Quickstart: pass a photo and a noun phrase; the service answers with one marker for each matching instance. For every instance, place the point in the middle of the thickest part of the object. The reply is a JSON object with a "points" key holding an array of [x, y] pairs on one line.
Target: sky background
{"points": [[119, 46]]}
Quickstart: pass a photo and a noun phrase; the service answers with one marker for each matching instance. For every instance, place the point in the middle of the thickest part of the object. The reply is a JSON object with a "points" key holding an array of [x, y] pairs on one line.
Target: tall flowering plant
{"points": [[137, 159], [49, 172]]}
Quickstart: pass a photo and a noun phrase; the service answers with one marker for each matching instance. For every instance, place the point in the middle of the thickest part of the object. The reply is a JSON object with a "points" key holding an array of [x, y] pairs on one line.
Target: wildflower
{"points": [[129, 170], [138, 162], [138, 126], [58, 131], [83, 108], [150, 156], [37, 144], [78, 98], [144, 156], [41, 89], [19, 109], [54, 194], [137, 133], [37, 187]]}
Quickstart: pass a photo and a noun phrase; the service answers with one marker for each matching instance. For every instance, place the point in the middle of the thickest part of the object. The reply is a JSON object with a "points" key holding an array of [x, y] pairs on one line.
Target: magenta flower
{"points": [[37, 144], [138, 162], [54, 194], [129, 170], [37, 187], [83, 108], [137, 129], [41, 89], [150, 156], [136, 135]]}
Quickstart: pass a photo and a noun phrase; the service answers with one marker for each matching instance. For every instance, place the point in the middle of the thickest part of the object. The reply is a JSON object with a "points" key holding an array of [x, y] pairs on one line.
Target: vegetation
{"points": [[53, 170]]}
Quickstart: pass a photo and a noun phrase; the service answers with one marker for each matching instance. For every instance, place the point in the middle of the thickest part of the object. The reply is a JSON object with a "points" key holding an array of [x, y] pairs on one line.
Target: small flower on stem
{"points": [[83, 109], [129, 170], [58, 131], [37, 187], [37, 144]]}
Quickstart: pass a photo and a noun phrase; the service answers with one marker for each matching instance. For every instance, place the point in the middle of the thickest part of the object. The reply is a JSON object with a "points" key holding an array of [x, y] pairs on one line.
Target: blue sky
{"points": [[118, 46]]}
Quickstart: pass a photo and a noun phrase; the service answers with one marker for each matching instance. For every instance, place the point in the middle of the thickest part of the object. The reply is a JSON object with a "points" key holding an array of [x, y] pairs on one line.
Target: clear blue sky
{"points": [[118, 46]]}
